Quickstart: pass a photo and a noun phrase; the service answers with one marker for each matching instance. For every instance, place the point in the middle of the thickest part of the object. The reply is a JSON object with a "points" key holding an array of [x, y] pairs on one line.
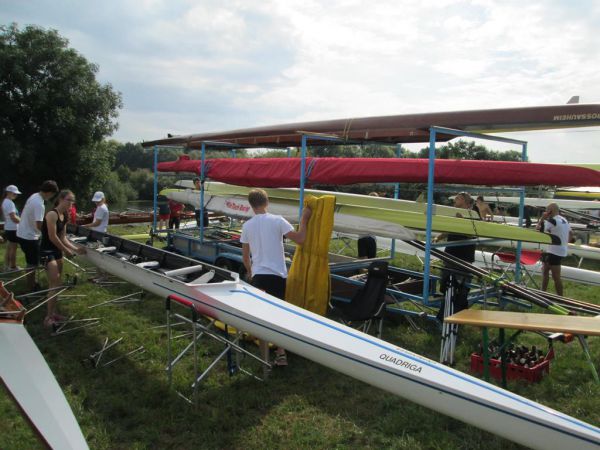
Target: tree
{"points": [[55, 114], [469, 150]]}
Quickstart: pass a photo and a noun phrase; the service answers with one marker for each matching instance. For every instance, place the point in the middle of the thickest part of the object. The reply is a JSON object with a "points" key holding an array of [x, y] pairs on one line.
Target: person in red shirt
{"points": [[175, 216], [73, 214]]}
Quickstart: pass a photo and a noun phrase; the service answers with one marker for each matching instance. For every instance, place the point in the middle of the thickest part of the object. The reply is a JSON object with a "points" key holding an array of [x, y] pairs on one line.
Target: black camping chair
{"points": [[368, 304]]}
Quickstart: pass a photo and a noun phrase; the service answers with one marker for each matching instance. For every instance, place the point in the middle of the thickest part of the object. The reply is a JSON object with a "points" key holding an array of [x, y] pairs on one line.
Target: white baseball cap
{"points": [[99, 195], [12, 188]]}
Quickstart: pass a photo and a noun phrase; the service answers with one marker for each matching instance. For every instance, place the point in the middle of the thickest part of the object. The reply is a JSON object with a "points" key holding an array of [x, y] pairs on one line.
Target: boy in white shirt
{"points": [[262, 248], [30, 227]]}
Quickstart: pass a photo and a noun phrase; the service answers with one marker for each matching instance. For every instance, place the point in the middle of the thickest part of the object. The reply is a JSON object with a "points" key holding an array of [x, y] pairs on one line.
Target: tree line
{"points": [[57, 119]]}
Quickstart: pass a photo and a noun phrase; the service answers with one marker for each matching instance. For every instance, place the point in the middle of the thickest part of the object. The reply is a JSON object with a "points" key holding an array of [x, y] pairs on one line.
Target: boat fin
{"points": [[573, 100]]}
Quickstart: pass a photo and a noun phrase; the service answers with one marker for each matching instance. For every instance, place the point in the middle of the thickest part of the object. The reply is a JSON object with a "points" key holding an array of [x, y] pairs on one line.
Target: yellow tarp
{"points": [[308, 284]]}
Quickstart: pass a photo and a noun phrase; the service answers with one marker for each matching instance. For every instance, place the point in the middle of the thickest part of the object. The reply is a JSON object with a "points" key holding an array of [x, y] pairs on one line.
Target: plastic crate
{"points": [[513, 371]]}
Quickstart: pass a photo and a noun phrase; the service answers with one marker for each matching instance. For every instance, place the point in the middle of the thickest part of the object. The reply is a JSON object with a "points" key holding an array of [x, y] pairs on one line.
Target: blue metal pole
{"points": [[202, 158], [302, 176], [233, 153], [427, 271], [396, 195], [154, 201], [521, 214], [289, 152]]}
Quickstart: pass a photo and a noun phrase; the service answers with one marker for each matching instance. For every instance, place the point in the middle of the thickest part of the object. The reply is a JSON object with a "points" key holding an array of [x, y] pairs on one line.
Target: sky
{"points": [[198, 66]]}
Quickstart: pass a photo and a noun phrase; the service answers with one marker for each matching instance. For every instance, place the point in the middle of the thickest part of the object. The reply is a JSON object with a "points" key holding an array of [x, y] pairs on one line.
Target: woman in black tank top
{"points": [[54, 244]]}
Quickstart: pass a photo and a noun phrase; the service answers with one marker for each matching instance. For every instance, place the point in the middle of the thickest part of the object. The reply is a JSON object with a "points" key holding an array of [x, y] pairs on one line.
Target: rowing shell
{"points": [[543, 202], [350, 218], [346, 198], [351, 352], [29, 381], [345, 219]]}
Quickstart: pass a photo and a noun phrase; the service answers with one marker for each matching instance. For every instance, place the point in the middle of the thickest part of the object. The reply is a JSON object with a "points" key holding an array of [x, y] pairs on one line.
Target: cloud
{"points": [[188, 66]]}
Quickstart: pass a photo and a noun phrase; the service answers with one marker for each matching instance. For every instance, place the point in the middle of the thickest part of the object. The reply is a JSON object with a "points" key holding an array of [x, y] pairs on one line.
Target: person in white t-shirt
{"points": [[101, 215], [11, 223], [553, 223], [30, 227], [262, 249]]}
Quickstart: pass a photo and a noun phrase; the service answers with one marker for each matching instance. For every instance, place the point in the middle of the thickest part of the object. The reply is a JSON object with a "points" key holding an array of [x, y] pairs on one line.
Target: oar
{"points": [[508, 286]]}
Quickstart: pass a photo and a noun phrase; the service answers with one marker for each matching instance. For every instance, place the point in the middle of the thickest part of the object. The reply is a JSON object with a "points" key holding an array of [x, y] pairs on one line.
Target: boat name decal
{"points": [[236, 206], [578, 116], [400, 362]]}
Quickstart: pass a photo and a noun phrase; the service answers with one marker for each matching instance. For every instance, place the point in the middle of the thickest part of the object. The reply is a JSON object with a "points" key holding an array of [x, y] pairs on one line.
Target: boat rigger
{"points": [[226, 298]]}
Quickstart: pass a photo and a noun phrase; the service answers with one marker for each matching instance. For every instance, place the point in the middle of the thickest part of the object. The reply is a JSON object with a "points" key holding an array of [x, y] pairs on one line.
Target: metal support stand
{"points": [[199, 330]]}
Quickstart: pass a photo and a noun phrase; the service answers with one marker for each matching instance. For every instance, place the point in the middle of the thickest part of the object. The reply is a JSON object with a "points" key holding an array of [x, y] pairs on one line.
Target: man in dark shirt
{"points": [[460, 281]]}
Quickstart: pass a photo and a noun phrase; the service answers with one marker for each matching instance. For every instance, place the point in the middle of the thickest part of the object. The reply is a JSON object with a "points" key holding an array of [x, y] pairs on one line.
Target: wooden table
{"points": [[578, 325]]}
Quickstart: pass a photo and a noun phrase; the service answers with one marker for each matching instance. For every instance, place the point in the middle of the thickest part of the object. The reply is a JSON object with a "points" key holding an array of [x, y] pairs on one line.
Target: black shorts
{"points": [[204, 216], [11, 236], [50, 255], [367, 247], [271, 284], [31, 248], [174, 222], [551, 259]]}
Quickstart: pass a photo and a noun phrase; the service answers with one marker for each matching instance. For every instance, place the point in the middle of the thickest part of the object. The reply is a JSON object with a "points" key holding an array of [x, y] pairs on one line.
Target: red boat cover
{"points": [[285, 172]]}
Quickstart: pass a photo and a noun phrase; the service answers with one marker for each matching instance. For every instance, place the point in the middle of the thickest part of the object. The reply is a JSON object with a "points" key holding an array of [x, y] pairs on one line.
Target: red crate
{"points": [[513, 371]]}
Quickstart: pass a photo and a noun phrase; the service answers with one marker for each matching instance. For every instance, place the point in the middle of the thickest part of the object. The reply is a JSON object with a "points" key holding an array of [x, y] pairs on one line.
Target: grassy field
{"points": [[129, 404]]}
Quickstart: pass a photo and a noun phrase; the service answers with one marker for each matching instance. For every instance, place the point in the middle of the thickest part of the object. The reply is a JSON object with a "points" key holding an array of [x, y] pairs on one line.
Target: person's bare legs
{"points": [[555, 270], [53, 272], [545, 275], [11, 251]]}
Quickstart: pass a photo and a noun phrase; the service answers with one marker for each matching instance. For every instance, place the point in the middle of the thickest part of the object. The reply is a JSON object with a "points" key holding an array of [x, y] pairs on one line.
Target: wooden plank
{"points": [[527, 321]]}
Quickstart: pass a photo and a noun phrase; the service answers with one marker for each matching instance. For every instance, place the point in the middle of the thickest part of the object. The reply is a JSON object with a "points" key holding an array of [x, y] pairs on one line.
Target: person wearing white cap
{"points": [[101, 215], [11, 223]]}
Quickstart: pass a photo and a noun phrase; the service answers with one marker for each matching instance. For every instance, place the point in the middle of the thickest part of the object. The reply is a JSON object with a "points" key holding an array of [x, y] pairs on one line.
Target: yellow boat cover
{"points": [[308, 284]]}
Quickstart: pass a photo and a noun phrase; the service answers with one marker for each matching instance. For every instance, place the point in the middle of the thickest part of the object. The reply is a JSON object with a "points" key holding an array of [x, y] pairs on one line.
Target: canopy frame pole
{"points": [[433, 130], [302, 176], [427, 268], [202, 159], [155, 188], [521, 215], [396, 195]]}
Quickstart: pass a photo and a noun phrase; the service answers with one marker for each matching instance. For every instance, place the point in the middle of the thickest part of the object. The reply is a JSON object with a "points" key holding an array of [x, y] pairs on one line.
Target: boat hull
{"points": [[366, 358], [28, 379]]}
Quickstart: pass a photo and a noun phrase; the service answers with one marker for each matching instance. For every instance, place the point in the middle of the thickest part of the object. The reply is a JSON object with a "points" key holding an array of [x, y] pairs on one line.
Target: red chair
{"points": [[528, 258]]}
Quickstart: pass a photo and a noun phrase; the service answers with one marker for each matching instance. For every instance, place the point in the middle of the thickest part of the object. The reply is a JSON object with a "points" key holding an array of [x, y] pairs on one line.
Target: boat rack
{"points": [[233, 352]]}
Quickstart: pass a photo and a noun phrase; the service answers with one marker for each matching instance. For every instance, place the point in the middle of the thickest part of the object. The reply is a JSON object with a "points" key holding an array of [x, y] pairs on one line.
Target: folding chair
{"points": [[368, 304], [528, 258]]}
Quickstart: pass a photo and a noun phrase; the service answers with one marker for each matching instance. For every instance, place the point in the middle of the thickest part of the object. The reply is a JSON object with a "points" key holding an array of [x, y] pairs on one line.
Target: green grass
{"points": [[130, 406]]}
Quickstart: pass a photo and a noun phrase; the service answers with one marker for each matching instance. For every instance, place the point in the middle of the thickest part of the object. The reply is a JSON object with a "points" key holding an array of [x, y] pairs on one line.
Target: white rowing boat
{"points": [[581, 251], [491, 261], [238, 207], [543, 202], [32, 385], [391, 221], [221, 295]]}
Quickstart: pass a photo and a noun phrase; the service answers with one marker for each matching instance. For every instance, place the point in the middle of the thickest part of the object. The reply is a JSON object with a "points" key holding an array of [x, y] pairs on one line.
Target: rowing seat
{"points": [[528, 258], [106, 249], [149, 265], [204, 278]]}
